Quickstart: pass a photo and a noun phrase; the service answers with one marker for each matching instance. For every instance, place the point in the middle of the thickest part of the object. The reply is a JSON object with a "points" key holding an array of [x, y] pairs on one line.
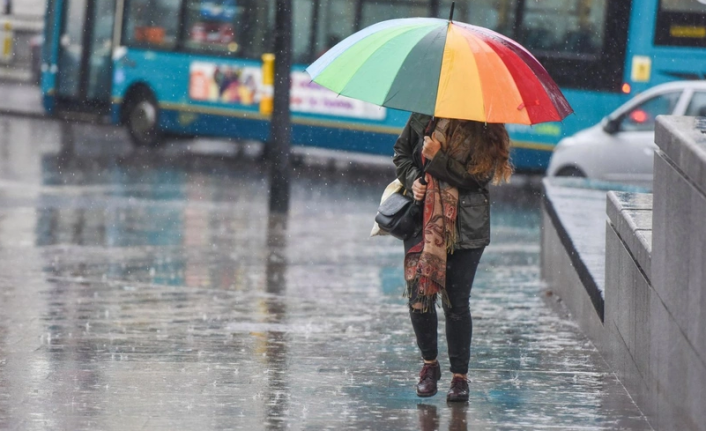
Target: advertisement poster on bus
{"points": [[242, 86], [224, 83]]}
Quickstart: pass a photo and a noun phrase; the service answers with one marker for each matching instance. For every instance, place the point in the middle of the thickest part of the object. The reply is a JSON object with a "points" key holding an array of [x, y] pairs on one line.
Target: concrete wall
{"points": [[630, 297], [653, 332], [678, 267], [627, 316]]}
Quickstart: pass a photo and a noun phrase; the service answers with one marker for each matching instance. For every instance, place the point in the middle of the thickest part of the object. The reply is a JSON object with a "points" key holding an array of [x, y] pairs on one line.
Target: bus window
{"points": [[373, 11], [305, 14], [152, 23], [321, 24], [579, 32], [330, 22], [228, 27], [209, 26], [584, 49], [497, 15], [681, 23]]}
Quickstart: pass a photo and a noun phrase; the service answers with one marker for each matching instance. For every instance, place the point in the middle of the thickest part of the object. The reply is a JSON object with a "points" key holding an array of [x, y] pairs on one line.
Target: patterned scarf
{"points": [[425, 263]]}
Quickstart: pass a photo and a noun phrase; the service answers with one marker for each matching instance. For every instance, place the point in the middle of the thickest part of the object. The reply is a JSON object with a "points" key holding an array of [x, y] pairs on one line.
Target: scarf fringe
{"points": [[451, 238], [427, 301]]}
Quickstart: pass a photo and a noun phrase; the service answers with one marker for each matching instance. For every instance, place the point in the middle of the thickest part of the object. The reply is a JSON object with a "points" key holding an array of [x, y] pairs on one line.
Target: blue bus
{"points": [[194, 67]]}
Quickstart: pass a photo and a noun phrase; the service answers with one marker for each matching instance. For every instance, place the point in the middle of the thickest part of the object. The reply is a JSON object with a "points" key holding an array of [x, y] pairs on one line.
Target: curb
{"points": [[26, 114]]}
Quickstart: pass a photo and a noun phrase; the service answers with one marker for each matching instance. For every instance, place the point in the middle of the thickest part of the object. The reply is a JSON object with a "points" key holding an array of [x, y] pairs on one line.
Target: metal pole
{"points": [[358, 18], [314, 29], [280, 125], [519, 18], [434, 8]]}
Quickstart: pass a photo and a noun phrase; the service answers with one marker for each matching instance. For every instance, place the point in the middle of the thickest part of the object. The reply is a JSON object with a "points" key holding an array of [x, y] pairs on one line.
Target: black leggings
{"points": [[460, 270]]}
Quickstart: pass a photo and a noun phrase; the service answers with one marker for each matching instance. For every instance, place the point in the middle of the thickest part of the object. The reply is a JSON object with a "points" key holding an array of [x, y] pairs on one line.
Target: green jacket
{"points": [[473, 221]]}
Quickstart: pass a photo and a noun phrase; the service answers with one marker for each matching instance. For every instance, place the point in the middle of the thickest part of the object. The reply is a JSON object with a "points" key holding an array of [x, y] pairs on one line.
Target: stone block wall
{"points": [[629, 294], [655, 294], [678, 269], [653, 332]]}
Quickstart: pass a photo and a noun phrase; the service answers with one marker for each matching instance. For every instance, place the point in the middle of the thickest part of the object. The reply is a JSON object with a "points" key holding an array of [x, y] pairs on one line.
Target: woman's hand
{"points": [[419, 190], [431, 147]]}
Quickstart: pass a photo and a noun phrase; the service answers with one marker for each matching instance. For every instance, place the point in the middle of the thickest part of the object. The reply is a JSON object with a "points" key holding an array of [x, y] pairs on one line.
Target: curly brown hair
{"points": [[491, 156]]}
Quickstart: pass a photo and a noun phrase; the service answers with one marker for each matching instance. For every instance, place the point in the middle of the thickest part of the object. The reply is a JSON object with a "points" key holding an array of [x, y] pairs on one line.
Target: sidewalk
{"points": [[152, 291]]}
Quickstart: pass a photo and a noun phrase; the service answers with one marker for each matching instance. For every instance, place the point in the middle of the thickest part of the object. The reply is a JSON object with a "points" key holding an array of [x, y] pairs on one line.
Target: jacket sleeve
{"points": [[453, 172], [403, 159]]}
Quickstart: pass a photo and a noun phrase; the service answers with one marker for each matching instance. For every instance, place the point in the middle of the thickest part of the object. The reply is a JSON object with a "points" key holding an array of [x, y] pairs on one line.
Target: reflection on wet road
{"points": [[150, 290]]}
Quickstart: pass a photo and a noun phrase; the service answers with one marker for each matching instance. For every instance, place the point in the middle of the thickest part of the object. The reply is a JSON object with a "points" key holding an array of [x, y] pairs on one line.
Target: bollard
{"points": [[6, 37], [268, 80]]}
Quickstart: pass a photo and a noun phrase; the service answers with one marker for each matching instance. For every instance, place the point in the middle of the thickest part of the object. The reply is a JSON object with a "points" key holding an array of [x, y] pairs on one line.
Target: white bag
{"points": [[393, 187]]}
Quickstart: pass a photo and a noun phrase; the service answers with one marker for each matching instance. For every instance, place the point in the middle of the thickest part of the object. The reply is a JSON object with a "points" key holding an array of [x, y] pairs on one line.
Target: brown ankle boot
{"points": [[430, 374], [458, 391]]}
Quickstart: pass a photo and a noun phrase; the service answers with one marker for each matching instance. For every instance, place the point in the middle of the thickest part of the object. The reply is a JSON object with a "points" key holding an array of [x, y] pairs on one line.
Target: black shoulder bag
{"points": [[400, 215]]}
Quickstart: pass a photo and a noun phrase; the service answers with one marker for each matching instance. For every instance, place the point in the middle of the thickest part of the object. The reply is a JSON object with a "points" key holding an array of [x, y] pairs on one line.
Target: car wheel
{"points": [[141, 117], [571, 171]]}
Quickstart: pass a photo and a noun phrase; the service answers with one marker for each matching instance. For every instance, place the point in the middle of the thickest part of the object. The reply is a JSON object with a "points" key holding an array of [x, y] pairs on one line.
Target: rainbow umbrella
{"points": [[443, 68]]}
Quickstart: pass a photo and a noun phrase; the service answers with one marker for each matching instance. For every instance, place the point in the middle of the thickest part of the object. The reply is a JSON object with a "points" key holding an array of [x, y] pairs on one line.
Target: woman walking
{"points": [[460, 159]]}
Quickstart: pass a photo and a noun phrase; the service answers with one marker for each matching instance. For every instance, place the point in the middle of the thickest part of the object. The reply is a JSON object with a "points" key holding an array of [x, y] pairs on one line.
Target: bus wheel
{"points": [[571, 171], [141, 120]]}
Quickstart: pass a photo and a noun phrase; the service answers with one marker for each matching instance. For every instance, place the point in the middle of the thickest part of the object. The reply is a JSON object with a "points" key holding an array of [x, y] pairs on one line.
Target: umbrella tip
{"points": [[451, 14]]}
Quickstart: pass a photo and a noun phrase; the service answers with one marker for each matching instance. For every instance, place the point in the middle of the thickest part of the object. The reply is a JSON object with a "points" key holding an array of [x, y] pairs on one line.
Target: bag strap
{"points": [[428, 130]]}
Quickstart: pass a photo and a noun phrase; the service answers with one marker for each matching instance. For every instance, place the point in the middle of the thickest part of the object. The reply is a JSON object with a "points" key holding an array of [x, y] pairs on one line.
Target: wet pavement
{"points": [[150, 290]]}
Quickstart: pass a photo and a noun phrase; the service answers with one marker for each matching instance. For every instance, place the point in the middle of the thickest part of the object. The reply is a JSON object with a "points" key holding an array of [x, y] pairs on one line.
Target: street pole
{"points": [[280, 125], [434, 8]]}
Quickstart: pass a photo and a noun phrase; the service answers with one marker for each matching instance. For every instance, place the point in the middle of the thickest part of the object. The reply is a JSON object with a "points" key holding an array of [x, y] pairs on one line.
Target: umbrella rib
{"points": [[398, 78]]}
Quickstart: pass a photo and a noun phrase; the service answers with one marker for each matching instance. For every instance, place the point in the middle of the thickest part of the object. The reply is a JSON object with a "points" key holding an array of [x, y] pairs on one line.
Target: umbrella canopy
{"points": [[442, 68]]}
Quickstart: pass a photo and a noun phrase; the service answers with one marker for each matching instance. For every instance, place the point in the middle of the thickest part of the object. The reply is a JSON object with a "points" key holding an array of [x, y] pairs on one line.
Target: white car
{"points": [[621, 147]]}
